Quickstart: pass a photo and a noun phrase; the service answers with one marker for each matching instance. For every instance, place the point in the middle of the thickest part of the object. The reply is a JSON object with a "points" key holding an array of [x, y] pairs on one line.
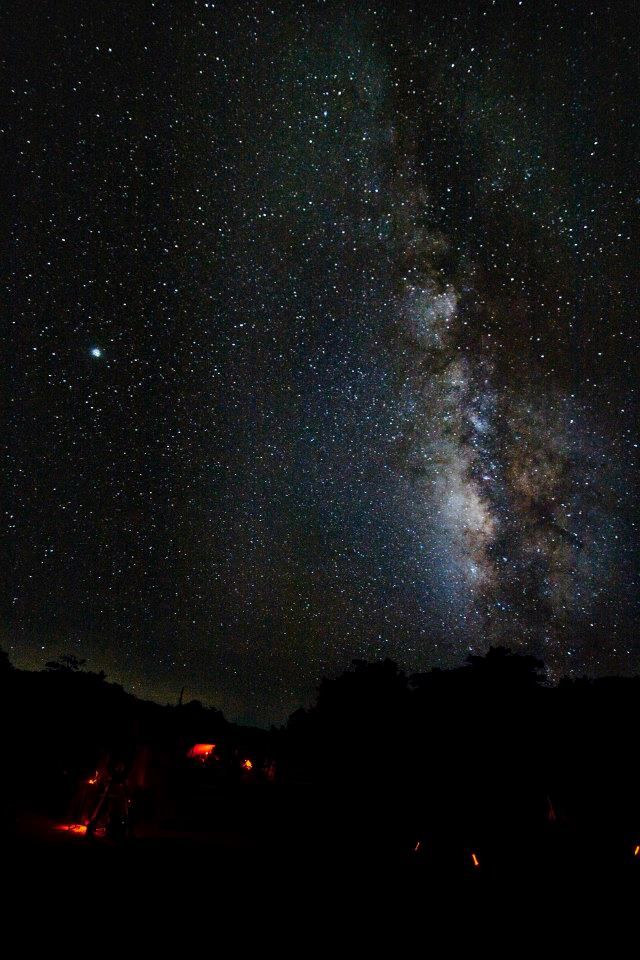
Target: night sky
{"points": [[322, 340]]}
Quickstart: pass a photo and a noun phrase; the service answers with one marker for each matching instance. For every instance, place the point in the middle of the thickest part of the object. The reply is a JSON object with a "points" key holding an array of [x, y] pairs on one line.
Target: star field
{"points": [[323, 340]]}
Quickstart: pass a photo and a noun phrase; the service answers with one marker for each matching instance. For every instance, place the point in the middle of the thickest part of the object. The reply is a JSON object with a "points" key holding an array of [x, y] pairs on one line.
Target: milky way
{"points": [[324, 341], [505, 476], [519, 482]]}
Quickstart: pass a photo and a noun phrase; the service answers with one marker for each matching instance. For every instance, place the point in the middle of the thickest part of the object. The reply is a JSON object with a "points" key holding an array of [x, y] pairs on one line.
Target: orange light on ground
{"points": [[247, 765], [636, 852], [201, 751], [94, 779], [78, 828], [475, 860]]}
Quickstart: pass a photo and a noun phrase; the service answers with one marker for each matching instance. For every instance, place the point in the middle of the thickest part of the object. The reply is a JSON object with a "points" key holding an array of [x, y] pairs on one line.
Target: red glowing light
{"points": [[475, 860], [78, 828], [94, 778], [247, 765], [201, 751]]}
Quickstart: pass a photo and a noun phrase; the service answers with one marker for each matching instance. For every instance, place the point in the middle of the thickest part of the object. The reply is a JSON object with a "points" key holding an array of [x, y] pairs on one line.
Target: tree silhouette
{"points": [[67, 663], [501, 668]]}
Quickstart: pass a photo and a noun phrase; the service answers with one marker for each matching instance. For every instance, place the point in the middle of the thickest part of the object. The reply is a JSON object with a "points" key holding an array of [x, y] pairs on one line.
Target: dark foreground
{"points": [[455, 780], [298, 852]]}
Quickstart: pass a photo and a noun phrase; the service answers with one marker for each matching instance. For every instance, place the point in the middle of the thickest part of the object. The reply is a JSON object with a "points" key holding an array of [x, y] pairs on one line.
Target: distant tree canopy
{"points": [[67, 663], [501, 667], [378, 688], [499, 671], [380, 693]]}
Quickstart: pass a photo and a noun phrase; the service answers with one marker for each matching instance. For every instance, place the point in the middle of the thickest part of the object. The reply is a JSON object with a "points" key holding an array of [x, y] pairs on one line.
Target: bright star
{"points": [[96, 352]]}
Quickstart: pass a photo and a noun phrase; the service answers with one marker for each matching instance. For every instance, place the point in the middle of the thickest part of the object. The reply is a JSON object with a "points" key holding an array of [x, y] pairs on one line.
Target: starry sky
{"points": [[322, 340]]}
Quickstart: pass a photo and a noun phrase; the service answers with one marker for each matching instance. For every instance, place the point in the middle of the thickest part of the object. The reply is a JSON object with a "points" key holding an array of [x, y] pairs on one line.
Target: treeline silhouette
{"points": [[484, 764], [488, 754]]}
